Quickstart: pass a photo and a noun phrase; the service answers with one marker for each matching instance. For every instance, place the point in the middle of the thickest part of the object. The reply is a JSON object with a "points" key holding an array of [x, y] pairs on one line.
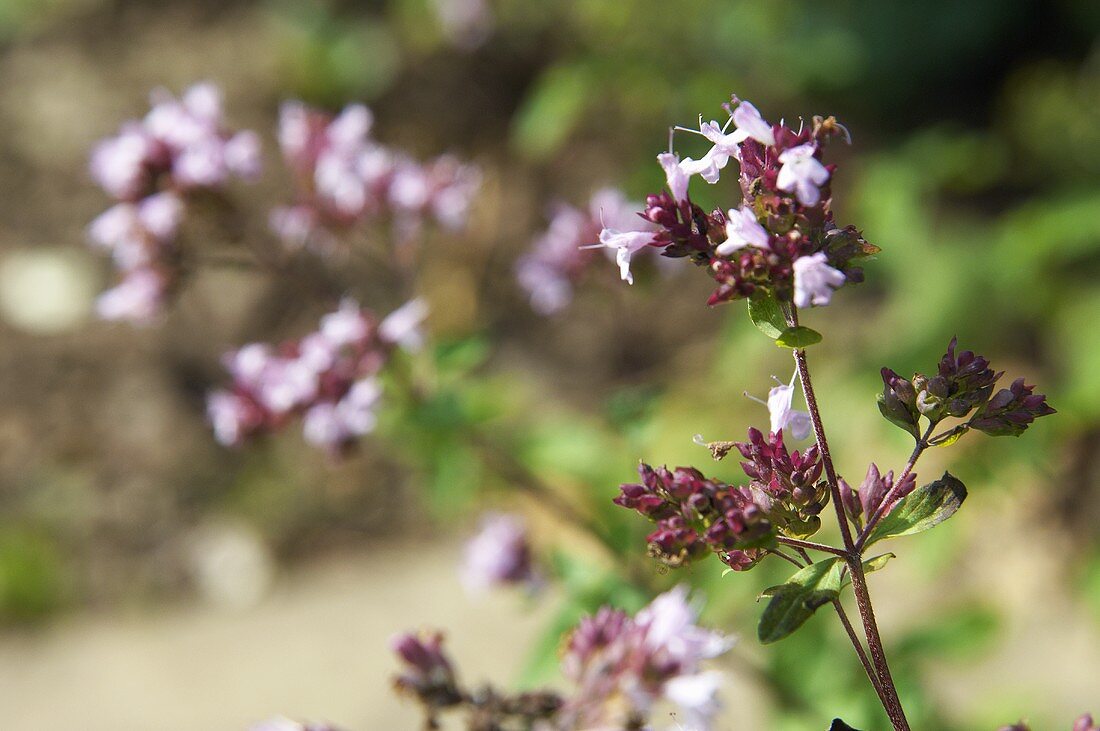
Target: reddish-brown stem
{"points": [[890, 701], [800, 544], [785, 557]]}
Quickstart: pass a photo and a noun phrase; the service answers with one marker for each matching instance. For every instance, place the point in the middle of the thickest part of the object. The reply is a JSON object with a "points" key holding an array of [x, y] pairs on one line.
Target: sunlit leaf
{"points": [[795, 601], [798, 337], [924, 508]]}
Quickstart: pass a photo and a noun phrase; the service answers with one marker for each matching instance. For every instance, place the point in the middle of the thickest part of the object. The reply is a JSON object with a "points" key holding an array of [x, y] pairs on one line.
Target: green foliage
{"points": [[31, 576], [798, 337], [767, 315], [924, 508], [795, 601], [551, 110]]}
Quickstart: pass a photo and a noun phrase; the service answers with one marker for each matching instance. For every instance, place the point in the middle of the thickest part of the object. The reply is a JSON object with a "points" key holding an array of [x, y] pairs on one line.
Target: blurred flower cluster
{"points": [[560, 256], [621, 668], [328, 377], [345, 178], [499, 555], [782, 240], [150, 167], [1083, 723]]}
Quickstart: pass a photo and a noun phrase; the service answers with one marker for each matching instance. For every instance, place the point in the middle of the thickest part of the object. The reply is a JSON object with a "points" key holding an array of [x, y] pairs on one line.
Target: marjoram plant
{"points": [[780, 250]]}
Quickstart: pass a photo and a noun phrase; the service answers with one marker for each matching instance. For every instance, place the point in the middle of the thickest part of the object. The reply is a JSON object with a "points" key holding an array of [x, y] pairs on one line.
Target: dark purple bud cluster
{"points": [[864, 502], [685, 229], [961, 387], [1011, 410], [787, 476], [696, 515]]}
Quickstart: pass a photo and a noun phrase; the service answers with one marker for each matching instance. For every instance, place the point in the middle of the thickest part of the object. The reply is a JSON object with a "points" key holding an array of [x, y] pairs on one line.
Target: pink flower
{"points": [[137, 298], [815, 280], [403, 325], [742, 229], [624, 666], [499, 554], [782, 413], [675, 174], [802, 173], [751, 124], [118, 164], [626, 244], [345, 326]]}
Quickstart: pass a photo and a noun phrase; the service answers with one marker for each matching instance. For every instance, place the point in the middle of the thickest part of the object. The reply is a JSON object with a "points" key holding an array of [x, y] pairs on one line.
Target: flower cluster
{"points": [[345, 178], [500, 554], [782, 240], [430, 678], [696, 515], [559, 256], [329, 377], [962, 387], [624, 666], [150, 167], [621, 668]]}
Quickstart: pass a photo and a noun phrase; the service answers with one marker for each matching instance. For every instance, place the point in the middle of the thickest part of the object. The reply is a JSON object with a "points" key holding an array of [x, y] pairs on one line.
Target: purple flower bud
{"points": [[1010, 411], [427, 673], [873, 489], [898, 402]]}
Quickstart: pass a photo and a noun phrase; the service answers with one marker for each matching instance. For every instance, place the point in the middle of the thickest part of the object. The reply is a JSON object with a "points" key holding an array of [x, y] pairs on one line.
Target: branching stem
{"points": [[889, 695]]}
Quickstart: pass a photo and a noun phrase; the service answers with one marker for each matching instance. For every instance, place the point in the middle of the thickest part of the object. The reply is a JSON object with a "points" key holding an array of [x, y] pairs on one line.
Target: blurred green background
{"points": [[149, 579]]}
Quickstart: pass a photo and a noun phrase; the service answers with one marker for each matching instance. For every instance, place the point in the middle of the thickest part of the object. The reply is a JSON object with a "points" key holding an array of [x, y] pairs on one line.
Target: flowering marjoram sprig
{"points": [[328, 377], [782, 250], [151, 167], [782, 239]]}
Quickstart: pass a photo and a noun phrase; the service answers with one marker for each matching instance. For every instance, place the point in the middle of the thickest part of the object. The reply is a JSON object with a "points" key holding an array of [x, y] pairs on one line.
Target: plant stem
{"points": [[858, 645], [890, 701], [884, 506], [800, 544], [785, 557]]}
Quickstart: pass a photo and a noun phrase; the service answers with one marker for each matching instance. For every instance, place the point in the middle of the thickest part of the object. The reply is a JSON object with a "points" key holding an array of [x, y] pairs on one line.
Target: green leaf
{"points": [[798, 337], [924, 508], [876, 563], [873, 564], [949, 438], [794, 602], [767, 315], [900, 418]]}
